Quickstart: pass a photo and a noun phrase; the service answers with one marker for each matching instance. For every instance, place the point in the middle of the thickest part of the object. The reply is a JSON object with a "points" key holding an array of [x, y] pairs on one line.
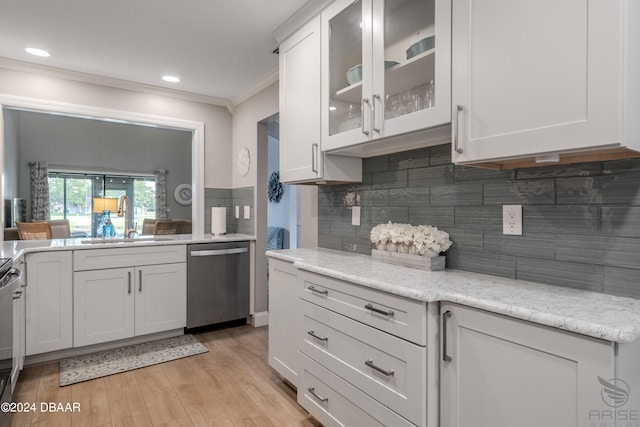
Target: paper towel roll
{"points": [[219, 220]]}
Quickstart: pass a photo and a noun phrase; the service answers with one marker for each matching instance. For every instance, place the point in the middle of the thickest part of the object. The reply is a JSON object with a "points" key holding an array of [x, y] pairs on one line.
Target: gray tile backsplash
{"points": [[229, 198], [581, 222]]}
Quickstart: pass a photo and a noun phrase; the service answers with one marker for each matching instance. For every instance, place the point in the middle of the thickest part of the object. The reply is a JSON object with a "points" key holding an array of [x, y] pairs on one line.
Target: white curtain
{"points": [[39, 191], [161, 193]]}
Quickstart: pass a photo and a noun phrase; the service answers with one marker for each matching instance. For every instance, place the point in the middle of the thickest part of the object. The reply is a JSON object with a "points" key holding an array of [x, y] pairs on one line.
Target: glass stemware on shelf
{"points": [[416, 99]]}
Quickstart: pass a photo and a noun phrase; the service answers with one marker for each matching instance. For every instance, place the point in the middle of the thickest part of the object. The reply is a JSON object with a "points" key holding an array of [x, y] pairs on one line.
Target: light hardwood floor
{"points": [[231, 385]]}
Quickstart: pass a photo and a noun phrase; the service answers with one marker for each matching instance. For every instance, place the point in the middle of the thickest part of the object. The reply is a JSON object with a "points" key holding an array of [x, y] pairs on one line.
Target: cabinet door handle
{"points": [[314, 158], [129, 287], [457, 148], [313, 334], [386, 372], [379, 311], [445, 357], [375, 128], [312, 390], [364, 101], [140, 281], [318, 291]]}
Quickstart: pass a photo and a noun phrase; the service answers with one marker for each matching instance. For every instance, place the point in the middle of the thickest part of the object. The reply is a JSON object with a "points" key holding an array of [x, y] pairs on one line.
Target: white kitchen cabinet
{"points": [[396, 92], [284, 324], [501, 371], [301, 152], [19, 310], [366, 352], [120, 303], [49, 302], [161, 298], [537, 78], [104, 303], [131, 300]]}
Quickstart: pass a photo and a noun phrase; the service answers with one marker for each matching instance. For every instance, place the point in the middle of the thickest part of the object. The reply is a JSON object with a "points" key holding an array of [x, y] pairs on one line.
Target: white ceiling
{"points": [[217, 48]]}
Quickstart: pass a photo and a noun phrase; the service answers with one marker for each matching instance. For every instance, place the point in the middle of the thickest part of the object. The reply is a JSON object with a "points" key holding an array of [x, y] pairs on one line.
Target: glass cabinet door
{"points": [[345, 69], [412, 65], [409, 56], [380, 74]]}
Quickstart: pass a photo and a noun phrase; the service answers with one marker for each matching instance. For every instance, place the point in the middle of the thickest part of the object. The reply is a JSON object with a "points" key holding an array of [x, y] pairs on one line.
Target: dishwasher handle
{"points": [[216, 252]]}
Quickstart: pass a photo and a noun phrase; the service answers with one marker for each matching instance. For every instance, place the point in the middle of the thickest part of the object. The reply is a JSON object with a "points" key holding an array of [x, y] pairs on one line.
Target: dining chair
{"points": [[147, 225], [184, 226], [60, 228], [34, 230], [165, 227]]}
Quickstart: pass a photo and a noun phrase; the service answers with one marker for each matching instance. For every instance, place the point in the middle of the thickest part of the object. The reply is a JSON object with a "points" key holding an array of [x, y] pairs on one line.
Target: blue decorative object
{"points": [[108, 229], [274, 189]]}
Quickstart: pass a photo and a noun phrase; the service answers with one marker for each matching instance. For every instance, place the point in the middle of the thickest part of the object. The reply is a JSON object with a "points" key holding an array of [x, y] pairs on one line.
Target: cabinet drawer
{"points": [[334, 402], [399, 316], [96, 259], [387, 368]]}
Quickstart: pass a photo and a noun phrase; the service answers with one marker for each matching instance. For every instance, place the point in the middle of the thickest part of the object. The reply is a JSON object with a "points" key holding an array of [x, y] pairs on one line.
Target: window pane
{"points": [[71, 196], [78, 194]]}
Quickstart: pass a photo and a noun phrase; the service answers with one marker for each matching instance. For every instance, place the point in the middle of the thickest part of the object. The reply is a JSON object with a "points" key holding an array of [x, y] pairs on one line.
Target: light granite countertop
{"points": [[593, 314], [17, 248]]}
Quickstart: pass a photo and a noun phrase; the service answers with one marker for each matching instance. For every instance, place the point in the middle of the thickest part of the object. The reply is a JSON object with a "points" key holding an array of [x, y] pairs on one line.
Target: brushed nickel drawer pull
{"points": [[313, 334], [318, 291], [377, 310], [445, 356], [312, 390], [370, 364]]}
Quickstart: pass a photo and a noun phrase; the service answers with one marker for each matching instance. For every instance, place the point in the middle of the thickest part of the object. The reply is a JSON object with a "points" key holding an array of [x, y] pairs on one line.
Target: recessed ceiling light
{"points": [[171, 79], [37, 52]]}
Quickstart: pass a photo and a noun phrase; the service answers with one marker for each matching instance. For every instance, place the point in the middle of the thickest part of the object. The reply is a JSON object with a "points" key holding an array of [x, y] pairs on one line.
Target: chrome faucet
{"points": [[124, 212]]}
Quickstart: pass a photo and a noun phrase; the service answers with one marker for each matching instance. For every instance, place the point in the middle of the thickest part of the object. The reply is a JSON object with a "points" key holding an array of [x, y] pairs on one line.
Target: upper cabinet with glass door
{"points": [[386, 69]]}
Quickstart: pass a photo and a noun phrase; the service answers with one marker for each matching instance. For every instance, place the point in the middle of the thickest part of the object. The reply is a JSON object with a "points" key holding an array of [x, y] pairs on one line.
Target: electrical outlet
{"points": [[237, 213], [512, 219], [355, 215], [247, 212]]}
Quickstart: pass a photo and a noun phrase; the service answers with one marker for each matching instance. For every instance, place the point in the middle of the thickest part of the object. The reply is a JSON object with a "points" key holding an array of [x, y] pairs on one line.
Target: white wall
{"points": [[284, 213], [94, 145], [217, 119], [246, 134], [10, 178]]}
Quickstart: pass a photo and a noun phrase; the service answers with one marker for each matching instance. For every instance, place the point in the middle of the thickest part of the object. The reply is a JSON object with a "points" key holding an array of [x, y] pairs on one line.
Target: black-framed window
{"points": [[71, 195]]}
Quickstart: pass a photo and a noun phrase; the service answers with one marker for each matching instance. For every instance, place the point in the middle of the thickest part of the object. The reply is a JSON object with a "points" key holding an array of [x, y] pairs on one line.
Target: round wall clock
{"points": [[182, 194], [244, 161]]}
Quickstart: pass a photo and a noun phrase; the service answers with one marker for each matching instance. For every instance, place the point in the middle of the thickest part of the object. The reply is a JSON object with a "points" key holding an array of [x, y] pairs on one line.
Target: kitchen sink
{"points": [[99, 241]]}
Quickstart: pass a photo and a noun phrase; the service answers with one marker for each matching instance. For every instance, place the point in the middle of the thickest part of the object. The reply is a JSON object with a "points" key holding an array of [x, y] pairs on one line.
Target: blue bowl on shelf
{"points": [[354, 74], [421, 46]]}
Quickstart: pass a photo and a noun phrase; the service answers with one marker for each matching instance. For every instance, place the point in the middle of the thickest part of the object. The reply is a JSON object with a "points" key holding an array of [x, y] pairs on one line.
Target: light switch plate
{"points": [[237, 215], [247, 212], [512, 219], [355, 215]]}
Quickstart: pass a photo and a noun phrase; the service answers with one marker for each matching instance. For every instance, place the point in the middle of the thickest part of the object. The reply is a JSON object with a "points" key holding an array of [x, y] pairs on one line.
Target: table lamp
{"points": [[105, 205]]}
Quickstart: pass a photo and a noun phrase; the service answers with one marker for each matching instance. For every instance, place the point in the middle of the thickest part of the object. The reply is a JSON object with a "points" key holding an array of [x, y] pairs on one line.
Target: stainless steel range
{"points": [[10, 282]]}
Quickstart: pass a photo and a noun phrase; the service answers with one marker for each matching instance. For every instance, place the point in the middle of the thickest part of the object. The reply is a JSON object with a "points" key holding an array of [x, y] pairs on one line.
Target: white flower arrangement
{"points": [[426, 240]]}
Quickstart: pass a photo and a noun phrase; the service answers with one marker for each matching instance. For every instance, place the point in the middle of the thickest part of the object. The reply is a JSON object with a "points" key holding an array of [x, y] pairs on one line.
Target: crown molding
{"points": [[268, 80], [110, 82], [302, 15]]}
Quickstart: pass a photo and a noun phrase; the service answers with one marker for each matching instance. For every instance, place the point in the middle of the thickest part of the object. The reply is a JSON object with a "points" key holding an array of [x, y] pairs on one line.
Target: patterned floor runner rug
{"points": [[95, 365]]}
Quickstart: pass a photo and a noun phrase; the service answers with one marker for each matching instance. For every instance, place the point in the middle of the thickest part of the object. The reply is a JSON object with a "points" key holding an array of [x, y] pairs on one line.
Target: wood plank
{"points": [[230, 386], [94, 408]]}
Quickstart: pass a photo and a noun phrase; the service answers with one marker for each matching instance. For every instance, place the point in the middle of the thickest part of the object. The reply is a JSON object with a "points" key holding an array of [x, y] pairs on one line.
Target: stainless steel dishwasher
{"points": [[217, 283]]}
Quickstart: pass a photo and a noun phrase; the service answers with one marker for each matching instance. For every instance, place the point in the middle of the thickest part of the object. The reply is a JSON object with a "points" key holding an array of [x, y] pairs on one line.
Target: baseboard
{"points": [[38, 359], [260, 319]]}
